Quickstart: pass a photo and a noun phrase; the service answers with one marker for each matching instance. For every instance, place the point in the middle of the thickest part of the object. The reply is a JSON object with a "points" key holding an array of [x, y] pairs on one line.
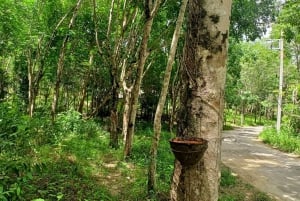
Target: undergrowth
{"points": [[285, 140], [71, 161], [232, 188]]}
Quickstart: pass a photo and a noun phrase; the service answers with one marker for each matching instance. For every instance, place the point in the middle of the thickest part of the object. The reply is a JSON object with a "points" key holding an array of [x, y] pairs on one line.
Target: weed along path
{"points": [[268, 169]]}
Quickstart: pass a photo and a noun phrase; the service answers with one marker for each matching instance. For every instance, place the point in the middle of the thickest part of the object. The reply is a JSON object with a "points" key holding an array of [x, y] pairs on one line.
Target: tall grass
{"points": [[286, 140]]}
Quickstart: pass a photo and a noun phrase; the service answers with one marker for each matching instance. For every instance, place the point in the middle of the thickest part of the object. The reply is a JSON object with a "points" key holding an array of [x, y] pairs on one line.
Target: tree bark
{"points": [[150, 11], [84, 85], [31, 94], [242, 113], [162, 99], [201, 102], [174, 100], [113, 107], [34, 75]]}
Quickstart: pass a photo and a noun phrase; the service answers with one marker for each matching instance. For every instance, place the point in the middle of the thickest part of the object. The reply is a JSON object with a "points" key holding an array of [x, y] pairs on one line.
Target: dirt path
{"points": [[270, 170]]}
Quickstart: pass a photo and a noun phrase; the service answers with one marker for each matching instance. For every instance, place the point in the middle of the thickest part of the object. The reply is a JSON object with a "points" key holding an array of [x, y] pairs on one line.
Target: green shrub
{"points": [[227, 198], [260, 197], [69, 121], [227, 179], [286, 140]]}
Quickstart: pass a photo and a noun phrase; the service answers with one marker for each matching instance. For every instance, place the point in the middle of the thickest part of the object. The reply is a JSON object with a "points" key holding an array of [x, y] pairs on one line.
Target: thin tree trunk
{"points": [[162, 99], [60, 65], [114, 138], [242, 113], [30, 84], [113, 106], [174, 99], [82, 98], [150, 11], [127, 72], [34, 77], [115, 82], [84, 85], [126, 112], [255, 113], [201, 113]]}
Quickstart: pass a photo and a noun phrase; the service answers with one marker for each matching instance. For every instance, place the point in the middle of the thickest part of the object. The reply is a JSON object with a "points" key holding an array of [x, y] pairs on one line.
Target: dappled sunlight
{"points": [[294, 178], [289, 197], [250, 166], [263, 154], [246, 144], [293, 190], [262, 161]]}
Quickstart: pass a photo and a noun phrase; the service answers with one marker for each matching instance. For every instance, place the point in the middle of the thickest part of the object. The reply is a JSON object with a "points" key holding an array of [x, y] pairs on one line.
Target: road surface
{"points": [[268, 169]]}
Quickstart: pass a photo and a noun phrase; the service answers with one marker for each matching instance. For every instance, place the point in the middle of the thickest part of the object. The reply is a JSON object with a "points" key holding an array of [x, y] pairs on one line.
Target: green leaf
{"points": [[59, 196], [3, 198], [18, 191]]}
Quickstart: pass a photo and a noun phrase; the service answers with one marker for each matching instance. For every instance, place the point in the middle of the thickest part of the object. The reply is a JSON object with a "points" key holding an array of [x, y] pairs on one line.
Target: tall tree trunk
{"points": [[174, 100], [34, 75], [162, 99], [113, 129], [126, 111], [201, 113], [151, 9], [114, 137], [60, 64], [126, 72], [31, 95], [84, 85], [113, 108]]}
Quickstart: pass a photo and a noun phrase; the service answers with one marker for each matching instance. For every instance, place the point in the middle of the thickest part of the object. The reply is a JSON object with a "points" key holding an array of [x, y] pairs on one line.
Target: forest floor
{"points": [[268, 169], [81, 166]]}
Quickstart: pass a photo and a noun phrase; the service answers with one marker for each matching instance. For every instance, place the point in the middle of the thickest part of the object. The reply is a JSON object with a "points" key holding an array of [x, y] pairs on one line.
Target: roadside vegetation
{"points": [[71, 160], [286, 140], [232, 188]]}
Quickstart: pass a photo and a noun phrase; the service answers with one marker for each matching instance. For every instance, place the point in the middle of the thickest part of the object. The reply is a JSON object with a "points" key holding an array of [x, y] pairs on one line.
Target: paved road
{"points": [[269, 170]]}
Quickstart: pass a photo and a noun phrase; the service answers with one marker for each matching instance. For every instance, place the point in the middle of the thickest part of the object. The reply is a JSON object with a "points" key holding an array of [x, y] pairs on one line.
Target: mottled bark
{"points": [[201, 102], [35, 71], [127, 70], [150, 11], [174, 100]]}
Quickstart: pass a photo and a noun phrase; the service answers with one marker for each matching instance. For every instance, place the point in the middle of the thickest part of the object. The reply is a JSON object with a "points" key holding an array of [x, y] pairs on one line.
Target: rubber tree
{"points": [[60, 64], [162, 98], [201, 100], [150, 11]]}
